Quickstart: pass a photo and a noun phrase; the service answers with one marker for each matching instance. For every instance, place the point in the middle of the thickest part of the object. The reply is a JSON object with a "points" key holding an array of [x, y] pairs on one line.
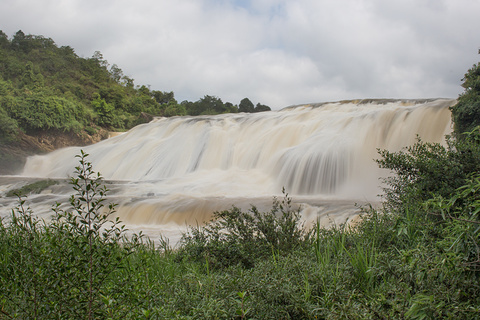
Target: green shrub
{"points": [[433, 203], [466, 113], [236, 237], [425, 170], [67, 268], [461, 213], [41, 110], [91, 131], [8, 126]]}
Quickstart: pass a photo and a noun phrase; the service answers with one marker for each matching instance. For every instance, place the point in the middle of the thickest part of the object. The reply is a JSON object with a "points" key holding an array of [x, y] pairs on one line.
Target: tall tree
{"points": [[246, 106]]}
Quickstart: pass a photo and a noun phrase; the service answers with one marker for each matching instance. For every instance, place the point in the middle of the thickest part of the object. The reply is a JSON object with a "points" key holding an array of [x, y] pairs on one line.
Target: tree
{"points": [[30, 78], [104, 112], [163, 97], [3, 40], [188, 105], [246, 106], [174, 109], [231, 108], [128, 82], [98, 56], [466, 113], [261, 108], [206, 105], [18, 40], [116, 73], [8, 126], [211, 105]]}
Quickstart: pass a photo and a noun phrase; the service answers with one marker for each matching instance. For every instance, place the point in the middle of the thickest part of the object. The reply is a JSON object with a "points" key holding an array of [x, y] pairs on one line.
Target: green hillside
{"points": [[44, 87]]}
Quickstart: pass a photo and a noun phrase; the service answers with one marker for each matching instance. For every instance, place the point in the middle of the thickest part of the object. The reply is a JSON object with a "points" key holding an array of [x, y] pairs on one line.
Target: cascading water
{"points": [[176, 171]]}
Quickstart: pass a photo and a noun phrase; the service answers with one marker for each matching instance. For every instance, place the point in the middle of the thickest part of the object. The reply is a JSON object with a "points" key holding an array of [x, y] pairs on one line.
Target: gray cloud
{"points": [[275, 52]]}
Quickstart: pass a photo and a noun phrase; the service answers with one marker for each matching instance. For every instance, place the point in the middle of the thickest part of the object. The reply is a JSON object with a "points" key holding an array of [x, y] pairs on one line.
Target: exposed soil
{"points": [[13, 154]]}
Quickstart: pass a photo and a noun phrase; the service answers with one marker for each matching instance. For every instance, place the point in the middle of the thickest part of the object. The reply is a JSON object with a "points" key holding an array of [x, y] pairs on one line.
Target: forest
{"points": [[44, 87], [415, 257]]}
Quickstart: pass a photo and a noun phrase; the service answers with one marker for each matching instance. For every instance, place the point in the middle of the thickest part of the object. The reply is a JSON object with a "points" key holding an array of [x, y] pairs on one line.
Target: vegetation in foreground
{"points": [[417, 259]]}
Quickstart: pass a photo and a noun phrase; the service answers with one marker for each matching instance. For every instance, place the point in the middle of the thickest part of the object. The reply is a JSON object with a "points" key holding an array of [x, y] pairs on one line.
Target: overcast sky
{"points": [[276, 52]]}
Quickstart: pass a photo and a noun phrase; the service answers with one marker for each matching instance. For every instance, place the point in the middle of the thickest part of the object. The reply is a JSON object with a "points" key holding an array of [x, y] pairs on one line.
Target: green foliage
{"points": [[207, 105], [246, 106], [433, 200], [41, 111], [210, 105], [363, 258], [46, 87], [92, 239], [91, 131], [466, 113], [64, 269], [242, 311], [173, 109], [105, 112], [236, 237], [460, 212], [261, 108], [425, 170], [8, 126]]}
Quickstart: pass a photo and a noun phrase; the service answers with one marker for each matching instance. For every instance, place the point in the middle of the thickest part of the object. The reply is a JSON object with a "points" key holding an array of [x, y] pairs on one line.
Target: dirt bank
{"points": [[13, 154]]}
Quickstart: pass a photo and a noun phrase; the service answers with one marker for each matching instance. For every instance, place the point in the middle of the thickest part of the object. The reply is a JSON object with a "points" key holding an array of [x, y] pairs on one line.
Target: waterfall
{"points": [[176, 170]]}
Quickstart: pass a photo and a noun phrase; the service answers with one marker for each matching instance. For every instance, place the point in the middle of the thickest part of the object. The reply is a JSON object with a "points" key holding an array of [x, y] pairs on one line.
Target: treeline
{"points": [[46, 87]]}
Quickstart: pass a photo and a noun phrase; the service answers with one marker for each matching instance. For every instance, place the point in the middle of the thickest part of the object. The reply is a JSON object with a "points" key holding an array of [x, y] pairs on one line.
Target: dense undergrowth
{"points": [[418, 258]]}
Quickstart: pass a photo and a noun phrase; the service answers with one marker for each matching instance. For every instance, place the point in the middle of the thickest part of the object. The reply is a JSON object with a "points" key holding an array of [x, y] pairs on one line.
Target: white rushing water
{"points": [[176, 171]]}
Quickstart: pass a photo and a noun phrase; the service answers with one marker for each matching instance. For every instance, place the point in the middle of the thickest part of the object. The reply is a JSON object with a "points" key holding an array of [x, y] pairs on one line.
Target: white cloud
{"points": [[275, 52]]}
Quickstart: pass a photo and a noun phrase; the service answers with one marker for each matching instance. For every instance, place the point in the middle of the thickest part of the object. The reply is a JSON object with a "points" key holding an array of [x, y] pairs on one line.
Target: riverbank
{"points": [[13, 154]]}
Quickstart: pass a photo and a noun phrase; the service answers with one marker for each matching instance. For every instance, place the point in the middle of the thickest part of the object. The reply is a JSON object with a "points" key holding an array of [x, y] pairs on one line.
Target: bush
{"points": [[64, 269], [466, 113], [90, 130], [425, 170], [236, 237], [8, 126], [42, 111], [461, 213], [433, 200]]}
